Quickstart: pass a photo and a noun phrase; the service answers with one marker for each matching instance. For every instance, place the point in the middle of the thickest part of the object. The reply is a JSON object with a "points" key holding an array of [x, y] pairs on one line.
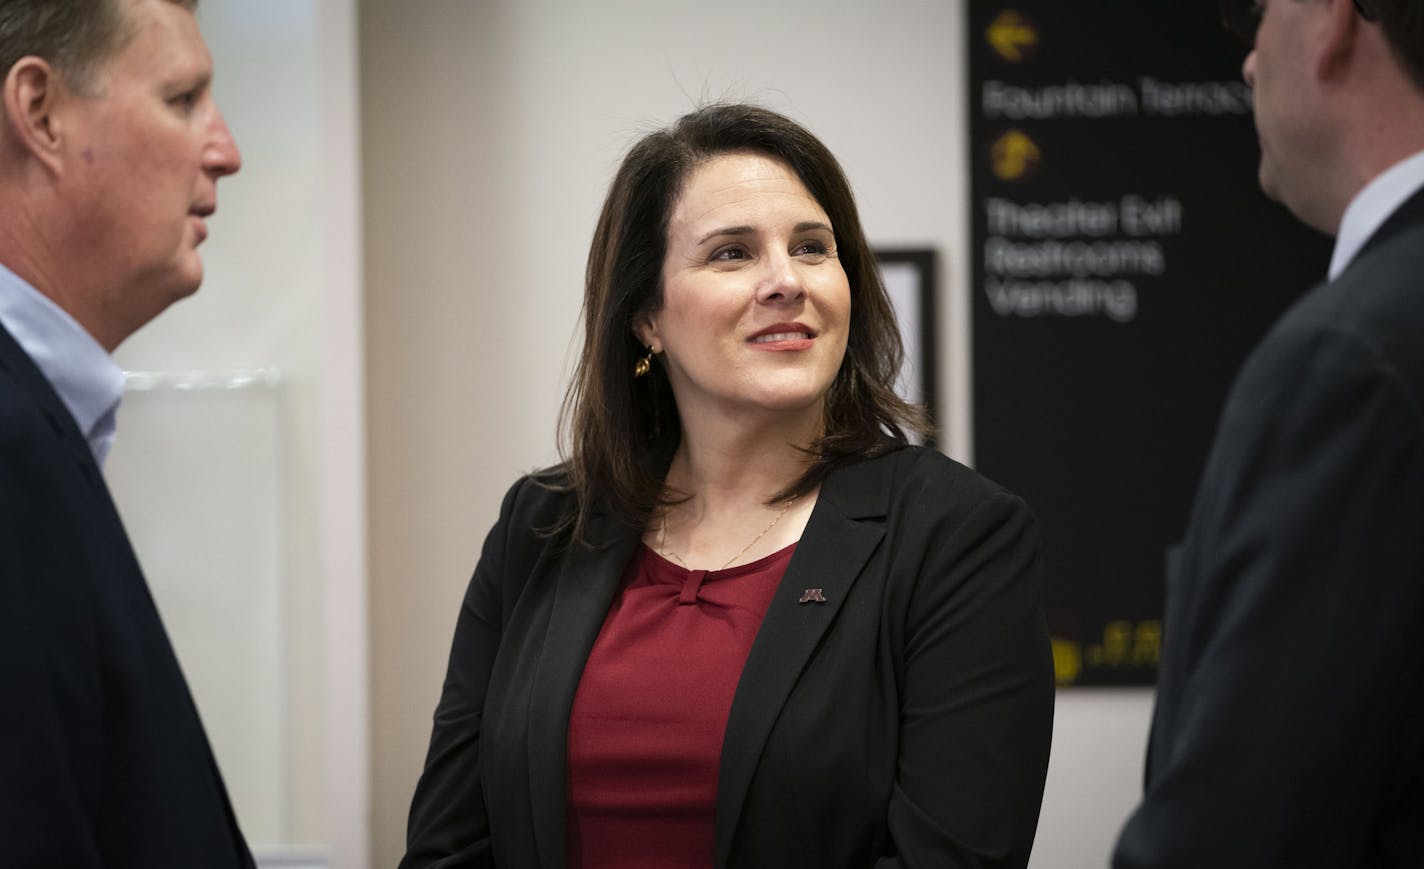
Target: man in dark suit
{"points": [[110, 151], [1289, 728]]}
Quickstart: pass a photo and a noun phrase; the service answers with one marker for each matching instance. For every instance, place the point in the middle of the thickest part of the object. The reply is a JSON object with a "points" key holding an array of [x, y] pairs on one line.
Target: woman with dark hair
{"points": [[745, 624]]}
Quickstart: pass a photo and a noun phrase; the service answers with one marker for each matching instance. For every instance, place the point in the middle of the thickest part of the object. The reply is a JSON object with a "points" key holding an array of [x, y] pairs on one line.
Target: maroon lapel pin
{"points": [[812, 595]]}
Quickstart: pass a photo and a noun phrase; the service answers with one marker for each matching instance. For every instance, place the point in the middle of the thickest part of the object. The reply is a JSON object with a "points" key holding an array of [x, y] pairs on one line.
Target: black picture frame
{"points": [[909, 278]]}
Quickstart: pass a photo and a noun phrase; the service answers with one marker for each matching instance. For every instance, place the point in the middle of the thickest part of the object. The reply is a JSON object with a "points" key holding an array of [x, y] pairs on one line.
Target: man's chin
{"points": [[1267, 179], [189, 279], [178, 288], [1302, 200]]}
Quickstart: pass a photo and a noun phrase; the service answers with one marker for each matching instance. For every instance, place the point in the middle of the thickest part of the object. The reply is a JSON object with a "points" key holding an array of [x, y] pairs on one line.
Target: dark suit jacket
{"points": [[1289, 728], [904, 722], [103, 762]]}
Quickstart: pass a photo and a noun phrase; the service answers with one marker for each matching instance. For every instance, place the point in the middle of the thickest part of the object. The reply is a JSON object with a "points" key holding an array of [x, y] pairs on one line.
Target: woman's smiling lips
{"points": [[783, 336]]}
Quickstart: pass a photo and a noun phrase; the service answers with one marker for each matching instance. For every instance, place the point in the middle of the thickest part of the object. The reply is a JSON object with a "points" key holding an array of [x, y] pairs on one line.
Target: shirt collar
{"points": [[1372, 206], [86, 377]]}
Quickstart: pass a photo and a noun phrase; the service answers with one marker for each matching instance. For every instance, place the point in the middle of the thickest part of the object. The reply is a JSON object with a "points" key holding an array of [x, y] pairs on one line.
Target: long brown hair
{"points": [[618, 432]]}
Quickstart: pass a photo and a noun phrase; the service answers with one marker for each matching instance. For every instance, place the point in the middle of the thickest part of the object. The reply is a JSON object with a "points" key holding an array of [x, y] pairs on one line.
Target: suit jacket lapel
{"points": [[586, 584], [834, 548]]}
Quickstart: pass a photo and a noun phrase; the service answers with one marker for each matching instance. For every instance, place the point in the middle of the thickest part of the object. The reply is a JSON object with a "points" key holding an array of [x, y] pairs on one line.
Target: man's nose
{"points": [[221, 157]]}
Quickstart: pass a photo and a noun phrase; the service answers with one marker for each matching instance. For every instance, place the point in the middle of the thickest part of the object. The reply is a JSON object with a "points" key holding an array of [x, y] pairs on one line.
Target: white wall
{"points": [[491, 130]]}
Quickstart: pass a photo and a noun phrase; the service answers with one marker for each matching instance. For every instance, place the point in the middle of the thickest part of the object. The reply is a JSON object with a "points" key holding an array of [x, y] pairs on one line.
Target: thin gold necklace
{"points": [[673, 556]]}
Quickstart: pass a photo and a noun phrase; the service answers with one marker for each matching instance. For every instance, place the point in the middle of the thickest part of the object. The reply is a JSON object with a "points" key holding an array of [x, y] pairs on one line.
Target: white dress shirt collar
{"points": [[86, 377], [1372, 206]]}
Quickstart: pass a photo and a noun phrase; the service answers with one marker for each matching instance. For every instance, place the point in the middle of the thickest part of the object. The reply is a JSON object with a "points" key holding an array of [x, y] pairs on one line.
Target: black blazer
{"points": [[103, 762], [1289, 728], [904, 722]]}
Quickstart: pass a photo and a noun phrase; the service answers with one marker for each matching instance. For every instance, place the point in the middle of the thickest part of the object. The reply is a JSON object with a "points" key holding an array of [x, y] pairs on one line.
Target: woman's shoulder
{"points": [[921, 477], [923, 466], [546, 493]]}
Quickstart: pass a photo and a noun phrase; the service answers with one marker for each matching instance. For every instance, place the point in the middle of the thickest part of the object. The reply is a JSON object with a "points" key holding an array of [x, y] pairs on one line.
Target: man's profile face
{"points": [[1287, 123], [149, 145]]}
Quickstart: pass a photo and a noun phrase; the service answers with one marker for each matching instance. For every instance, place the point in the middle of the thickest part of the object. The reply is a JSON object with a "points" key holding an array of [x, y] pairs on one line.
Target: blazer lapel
{"points": [[586, 584], [833, 550]]}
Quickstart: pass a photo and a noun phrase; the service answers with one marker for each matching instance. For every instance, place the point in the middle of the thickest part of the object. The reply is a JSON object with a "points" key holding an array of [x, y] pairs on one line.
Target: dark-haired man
{"points": [[1289, 729], [110, 152]]}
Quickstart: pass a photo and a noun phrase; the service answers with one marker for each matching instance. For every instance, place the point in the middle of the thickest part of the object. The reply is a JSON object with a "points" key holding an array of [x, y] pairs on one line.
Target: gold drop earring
{"points": [[644, 364]]}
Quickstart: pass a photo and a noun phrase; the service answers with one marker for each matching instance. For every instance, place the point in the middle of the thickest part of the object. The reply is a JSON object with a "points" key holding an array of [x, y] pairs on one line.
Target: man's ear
{"points": [[1337, 40], [32, 93]]}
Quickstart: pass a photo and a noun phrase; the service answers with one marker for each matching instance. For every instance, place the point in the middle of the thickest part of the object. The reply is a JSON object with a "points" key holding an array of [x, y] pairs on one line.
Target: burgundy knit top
{"points": [[645, 731]]}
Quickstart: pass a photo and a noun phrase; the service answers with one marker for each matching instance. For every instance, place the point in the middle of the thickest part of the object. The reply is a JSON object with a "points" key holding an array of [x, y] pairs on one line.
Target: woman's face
{"points": [[756, 306]]}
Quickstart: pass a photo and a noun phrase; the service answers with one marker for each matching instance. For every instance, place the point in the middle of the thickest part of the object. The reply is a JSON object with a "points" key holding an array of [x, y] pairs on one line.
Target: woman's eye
{"points": [[729, 254], [811, 248]]}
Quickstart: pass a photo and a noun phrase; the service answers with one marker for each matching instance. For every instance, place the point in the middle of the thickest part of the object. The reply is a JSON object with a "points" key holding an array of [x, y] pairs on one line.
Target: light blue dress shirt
{"points": [[1372, 206], [88, 380]]}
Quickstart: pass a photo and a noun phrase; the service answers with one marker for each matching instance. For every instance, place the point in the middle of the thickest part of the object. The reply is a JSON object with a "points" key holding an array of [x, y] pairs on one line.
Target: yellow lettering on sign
{"points": [[1067, 661], [1126, 644], [1116, 645], [1147, 644]]}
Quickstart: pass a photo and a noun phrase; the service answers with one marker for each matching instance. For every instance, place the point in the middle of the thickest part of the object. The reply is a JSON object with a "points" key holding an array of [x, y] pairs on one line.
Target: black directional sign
{"points": [[1125, 260]]}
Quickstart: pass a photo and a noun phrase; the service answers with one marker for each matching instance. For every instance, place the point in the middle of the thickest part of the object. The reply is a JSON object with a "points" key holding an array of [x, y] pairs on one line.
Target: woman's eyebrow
{"points": [[804, 226], [727, 230]]}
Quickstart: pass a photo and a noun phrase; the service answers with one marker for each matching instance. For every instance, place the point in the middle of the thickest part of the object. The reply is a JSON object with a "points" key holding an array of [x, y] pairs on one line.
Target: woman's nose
{"points": [[782, 283]]}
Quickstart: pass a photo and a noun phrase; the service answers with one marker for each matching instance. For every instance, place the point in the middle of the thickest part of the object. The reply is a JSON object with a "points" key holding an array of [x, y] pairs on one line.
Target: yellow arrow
{"points": [[1011, 35], [1014, 155]]}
